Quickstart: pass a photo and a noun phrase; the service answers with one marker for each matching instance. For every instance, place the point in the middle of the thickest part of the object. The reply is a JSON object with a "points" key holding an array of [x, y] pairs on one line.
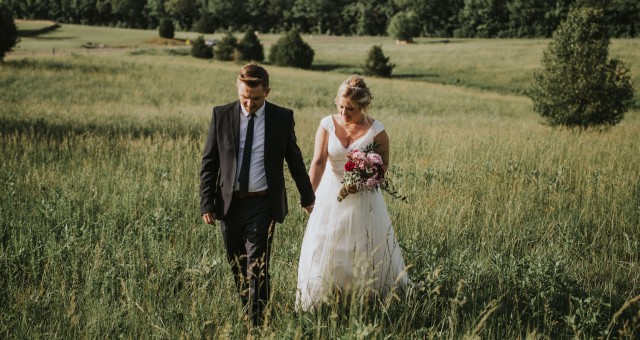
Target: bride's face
{"points": [[350, 112]]}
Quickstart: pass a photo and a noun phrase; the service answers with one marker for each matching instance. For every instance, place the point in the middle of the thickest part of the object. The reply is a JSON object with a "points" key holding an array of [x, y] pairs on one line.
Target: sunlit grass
{"points": [[534, 228]]}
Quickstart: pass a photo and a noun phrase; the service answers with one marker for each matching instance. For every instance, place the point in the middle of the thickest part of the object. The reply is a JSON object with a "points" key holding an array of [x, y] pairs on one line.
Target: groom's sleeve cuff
{"points": [[207, 209]]}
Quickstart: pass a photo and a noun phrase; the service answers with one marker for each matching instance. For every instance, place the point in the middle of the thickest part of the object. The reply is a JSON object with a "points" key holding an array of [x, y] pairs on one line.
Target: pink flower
{"points": [[358, 155], [372, 183], [374, 158]]}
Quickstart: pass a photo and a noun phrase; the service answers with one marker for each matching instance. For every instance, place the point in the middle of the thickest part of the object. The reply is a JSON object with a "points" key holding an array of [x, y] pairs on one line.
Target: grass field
{"points": [[502, 65], [513, 229]]}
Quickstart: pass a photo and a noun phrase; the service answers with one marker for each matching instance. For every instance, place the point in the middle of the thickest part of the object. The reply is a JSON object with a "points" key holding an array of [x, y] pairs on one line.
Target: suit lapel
{"points": [[268, 128], [235, 127]]}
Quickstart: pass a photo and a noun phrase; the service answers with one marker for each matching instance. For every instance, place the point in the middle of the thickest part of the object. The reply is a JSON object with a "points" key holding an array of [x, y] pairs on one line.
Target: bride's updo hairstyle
{"points": [[356, 90]]}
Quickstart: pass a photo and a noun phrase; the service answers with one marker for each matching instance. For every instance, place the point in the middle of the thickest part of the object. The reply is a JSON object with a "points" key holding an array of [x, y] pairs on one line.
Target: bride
{"points": [[349, 247]]}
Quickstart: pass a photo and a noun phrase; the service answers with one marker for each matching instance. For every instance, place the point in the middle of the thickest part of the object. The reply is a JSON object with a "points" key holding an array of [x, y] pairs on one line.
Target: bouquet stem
{"points": [[344, 192]]}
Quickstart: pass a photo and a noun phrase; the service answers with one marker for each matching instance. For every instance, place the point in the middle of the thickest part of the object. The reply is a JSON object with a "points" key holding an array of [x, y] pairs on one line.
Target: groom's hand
{"points": [[209, 218], [309, 208]]}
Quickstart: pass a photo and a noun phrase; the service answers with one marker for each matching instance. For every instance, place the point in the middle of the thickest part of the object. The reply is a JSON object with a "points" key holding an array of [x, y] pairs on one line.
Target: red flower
{"points": [[349, 166]]}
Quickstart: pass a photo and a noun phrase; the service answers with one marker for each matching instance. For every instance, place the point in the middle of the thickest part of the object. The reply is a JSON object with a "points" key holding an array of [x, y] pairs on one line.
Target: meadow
{"points": [[513, 229]]}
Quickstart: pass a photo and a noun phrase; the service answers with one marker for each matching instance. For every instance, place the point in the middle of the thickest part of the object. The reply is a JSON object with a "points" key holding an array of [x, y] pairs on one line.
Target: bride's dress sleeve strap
{"points": [[327, 123], [377, 127]]}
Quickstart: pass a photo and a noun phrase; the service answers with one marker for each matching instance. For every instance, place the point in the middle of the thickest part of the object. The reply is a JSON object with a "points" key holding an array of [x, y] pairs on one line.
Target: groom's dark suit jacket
{"points": [[219, 160]]}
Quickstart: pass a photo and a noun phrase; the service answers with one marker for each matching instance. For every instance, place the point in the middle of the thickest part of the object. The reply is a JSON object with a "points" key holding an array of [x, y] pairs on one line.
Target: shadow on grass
{"points": [[418, 76], [54, 38], [332, 67], [56, 65], [36, 32]]}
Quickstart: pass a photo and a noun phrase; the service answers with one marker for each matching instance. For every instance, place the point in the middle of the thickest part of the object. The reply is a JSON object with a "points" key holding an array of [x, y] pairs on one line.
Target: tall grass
{"points": [[513, 229]]}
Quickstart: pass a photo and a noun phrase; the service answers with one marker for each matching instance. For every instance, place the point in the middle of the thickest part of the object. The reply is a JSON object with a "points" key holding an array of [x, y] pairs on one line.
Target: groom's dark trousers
{"points": [[248, 223], [247, 231]]}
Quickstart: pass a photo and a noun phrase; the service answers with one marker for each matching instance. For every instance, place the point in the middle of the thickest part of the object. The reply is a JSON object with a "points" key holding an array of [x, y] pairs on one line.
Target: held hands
{"points": [[209, 218], [309, 208]]}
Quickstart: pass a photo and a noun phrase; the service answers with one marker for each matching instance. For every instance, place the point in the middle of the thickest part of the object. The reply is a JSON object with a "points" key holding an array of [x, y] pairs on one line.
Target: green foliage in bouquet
{"points": [[364, 171]]}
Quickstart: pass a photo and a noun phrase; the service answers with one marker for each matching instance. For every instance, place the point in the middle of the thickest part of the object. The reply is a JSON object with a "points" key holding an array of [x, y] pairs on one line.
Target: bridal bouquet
{"points": [[364, 172]]}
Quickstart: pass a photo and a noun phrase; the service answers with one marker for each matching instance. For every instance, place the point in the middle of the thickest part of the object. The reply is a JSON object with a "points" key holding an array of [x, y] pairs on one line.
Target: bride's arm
{"points": [[382, 139], [320, 154]]}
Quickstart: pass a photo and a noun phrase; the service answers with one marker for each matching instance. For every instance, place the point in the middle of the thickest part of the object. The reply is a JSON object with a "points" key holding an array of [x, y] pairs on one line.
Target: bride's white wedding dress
{"points": [[348, 246]]}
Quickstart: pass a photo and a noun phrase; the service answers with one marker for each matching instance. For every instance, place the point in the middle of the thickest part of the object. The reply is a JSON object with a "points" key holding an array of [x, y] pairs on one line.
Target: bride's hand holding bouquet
{"points": [[364, 171]]}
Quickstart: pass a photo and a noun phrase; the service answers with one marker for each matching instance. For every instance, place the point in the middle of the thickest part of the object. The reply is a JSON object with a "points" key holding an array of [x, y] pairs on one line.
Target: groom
{"points": [[242, 182]]}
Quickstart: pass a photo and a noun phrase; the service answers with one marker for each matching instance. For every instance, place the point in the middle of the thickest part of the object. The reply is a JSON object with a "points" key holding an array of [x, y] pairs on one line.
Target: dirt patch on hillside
{"points": [[167, 42]]}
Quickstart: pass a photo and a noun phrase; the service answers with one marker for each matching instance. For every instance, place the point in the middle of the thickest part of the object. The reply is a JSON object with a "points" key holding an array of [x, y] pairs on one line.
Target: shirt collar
{"points": [[258, 113]]}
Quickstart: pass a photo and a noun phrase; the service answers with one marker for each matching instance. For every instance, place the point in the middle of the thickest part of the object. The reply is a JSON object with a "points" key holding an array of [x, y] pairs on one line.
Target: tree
{"points": [[404, 26], [156, 12], [268, 15], [579, 86], [482, 19], [199, 49], [226, 48], [377, 64], [435, 17], [231, 15], [535, 18], [206, 24], [166, 29], [184, 12], [250, 48], [317, 16], [623, 16], [131, 13], [366, 17], [291, 50], [8, 31]]}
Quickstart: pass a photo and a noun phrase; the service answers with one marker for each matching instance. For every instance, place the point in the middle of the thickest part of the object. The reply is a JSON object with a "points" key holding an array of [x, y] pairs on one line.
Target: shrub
{"points": [[403, 26], [291, 50], [250, 48], [226, 48], [199, 49], [579, 86], [8, 31], [166, 28], [377, 64], [206, 24]]}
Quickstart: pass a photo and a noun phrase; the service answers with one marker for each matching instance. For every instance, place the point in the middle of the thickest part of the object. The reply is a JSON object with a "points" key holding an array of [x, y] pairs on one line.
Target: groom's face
{"points": [[251, 98]]}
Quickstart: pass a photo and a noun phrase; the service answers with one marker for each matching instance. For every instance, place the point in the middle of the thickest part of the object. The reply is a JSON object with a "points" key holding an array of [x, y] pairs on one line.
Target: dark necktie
{"points": [[246, 157]]}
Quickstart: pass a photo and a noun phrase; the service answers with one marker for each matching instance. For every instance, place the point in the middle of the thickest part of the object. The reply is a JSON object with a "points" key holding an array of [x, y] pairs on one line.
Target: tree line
{"points": [[440, 18]]}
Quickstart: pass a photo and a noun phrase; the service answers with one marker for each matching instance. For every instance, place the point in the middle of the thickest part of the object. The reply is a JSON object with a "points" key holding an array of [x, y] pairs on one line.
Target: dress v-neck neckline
{"points": [[354, 141]]}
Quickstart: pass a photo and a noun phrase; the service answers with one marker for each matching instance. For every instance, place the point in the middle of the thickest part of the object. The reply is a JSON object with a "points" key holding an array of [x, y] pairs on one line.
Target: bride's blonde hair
{"points": [[356, 90]]}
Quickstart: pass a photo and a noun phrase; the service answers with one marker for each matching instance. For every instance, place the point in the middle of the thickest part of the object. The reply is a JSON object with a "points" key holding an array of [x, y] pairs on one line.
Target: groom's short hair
{"points": [[254, 75]]}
